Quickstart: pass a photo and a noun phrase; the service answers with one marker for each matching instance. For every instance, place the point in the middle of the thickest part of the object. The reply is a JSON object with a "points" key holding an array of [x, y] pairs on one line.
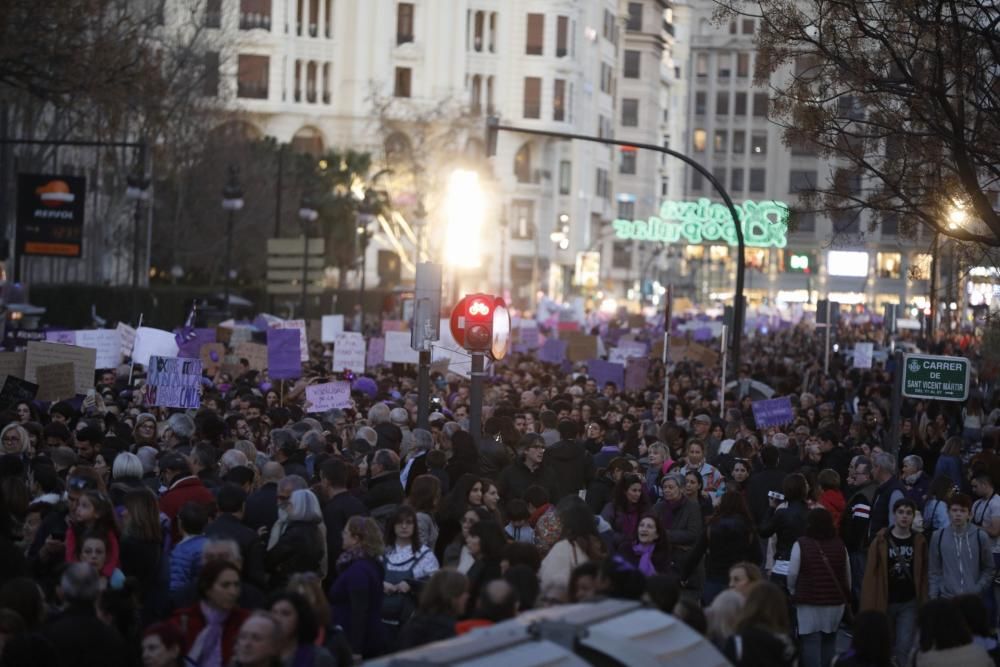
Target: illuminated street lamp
{"points": [[465, 213]]}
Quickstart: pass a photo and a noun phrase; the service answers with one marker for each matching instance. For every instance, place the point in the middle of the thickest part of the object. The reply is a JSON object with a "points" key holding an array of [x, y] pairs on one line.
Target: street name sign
{"points": [[936, 378]]}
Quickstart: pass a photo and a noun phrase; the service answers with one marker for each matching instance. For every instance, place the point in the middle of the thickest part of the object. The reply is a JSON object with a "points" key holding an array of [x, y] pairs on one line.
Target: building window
{"points": [[523, 227], [700, 102], [699, 139], [559, 100], [758, 144], [805, 221], [403, 81], [532, 97], [404, 22], [801, 181], [489, 95], [920, 266], [739, 104], [725, 65], [536, 35], [697, 181], [610, 30], [210, 75], [747, 26], [621, 255], [846, 222], [607, 74], [252, 77], [743, 65], [562, 36], [565, 177], [522, 164], [631, 64], [213, 14], [722, 104], [719, 174], [626, 210], [736, 179], [739, 142], [604, 128], [890, 224], [476, 94], [630, 112], [254, 14], [803, 147], [603, 189], [634, 21], [888, 264], [701, 66], [719, 142], [493, 33], [760, 105], [758, 180], [628, 163], [479, 27]]}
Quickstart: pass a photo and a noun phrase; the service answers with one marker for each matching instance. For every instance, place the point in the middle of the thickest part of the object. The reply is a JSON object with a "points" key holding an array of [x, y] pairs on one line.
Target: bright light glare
{"points": [[465, 211], [956, 217]]}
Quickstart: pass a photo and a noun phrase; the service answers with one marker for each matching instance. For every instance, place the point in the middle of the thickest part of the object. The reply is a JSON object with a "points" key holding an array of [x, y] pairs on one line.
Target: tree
{"points": [[903, 96]]}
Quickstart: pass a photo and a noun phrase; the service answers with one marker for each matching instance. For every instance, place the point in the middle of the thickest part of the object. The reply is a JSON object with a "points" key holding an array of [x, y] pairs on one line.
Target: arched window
{"points": [[477, 95], [308, 140], [522, 164], [397, 145]]}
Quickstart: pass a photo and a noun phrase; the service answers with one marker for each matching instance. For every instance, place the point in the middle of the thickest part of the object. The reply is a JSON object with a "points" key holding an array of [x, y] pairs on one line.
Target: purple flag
{"points": [[283, 356], [190, 340], [605, 371], [553, 351]]}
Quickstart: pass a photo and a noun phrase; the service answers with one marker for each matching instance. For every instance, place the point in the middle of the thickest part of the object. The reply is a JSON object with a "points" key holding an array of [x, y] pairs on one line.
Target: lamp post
{"points": [[307, 214], [136, 190], [364, 216], [232, 201]]}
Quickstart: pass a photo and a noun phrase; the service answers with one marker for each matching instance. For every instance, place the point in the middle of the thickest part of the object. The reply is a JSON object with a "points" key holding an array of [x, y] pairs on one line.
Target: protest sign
{"points": [[329, 396], [16, 339], [82, 358], [580, 346], [190, 340], [605, 371], [283, 359], [394, 325], [107, 342], [459, 361], [626, 351], [773, 412], [127, 335], [376, 353], [65, 337], [56, 381], [12, 363], [300, 326], [397, 348], [553, 351], [349, 352], [330, 327], [636, 373], [173, 382], [529, 334], [439, 366], [15, 390], [212, 356], [636, 321], [254, 353], [150, 342], [863, 353]]}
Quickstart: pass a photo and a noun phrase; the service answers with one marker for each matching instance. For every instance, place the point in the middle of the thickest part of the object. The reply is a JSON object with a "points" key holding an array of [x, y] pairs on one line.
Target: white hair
{"points": [[231, 458], [304, 506], [127, 466]]}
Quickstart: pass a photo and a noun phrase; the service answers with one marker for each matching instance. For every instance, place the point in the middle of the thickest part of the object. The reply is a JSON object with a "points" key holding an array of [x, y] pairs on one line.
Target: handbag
{"points": [[848, 618]]}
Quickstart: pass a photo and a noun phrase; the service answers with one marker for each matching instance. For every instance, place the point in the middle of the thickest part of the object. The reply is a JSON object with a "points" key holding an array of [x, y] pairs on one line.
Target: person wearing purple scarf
{"points": [[649, 552], [628, 503]]}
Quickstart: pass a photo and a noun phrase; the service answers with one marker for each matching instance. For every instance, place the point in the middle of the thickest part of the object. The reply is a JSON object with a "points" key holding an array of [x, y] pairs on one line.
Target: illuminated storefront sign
{"points": [[764, 223]]}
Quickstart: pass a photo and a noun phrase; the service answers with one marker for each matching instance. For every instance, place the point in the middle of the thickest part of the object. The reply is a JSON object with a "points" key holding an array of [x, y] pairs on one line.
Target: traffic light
{"points": [[479, 322]]}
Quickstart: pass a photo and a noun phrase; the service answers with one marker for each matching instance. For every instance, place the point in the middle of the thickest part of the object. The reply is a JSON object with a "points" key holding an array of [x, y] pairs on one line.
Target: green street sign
{"points": [[935, 378]]}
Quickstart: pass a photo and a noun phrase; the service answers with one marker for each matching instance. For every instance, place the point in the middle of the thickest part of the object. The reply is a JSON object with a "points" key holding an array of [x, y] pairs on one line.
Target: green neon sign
{"points": [[765, 224]]}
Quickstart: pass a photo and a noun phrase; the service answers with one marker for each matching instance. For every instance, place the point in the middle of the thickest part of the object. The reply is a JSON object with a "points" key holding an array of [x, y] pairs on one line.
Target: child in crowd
{"points": [[517, 528], [831, 498], [185, 558]]}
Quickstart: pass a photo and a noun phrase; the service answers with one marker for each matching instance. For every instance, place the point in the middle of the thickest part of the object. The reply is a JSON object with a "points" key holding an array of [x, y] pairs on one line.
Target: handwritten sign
{"points": [[329, 396], [12, 363], [376, 353], [153, 342], [56, 381], [529, 334], [863, 353], [283, 360], [331, 326], [300, 326], [107, 342], [173, 382], [773, 412], [626, 351], [553, 351], [15, 390], [212, 356], [127, 335], [606, 371], [254, 353], [397, 348], [348, 352], [82, 358]]}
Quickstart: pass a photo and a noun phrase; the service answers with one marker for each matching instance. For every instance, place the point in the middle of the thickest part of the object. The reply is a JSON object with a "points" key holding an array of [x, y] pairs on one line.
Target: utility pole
{"points": [[425, 330]]}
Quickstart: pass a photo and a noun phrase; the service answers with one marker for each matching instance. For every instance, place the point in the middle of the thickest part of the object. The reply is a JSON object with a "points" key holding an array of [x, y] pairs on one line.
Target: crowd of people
{"points": [[253, 532]]}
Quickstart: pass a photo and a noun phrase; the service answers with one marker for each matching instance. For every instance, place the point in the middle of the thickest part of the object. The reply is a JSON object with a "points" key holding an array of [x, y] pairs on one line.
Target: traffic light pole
{"points": [[493, 126], [476, 397], [423, 388]]}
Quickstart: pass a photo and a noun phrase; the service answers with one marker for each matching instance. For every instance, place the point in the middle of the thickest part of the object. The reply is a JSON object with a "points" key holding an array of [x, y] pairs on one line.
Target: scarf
{"points": [[645, 554], [348, 556], [667, 513], [207, 648], [304, 656], [630, 522]]}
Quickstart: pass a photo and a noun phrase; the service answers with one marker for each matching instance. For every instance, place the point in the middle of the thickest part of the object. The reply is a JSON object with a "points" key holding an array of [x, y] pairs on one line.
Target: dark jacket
{"points": [[724, 543], [80, 638], [599, 492], [299, 549], [516, 478], [384, 489], [686, 527], [758, 486], [426, 628], [839, 459], [262, 507], [789, 524], [227, 526], [881, 510], [295, 464], [855, 519], [757, 647], [917, 492], [570, 468], [356, 605], [494, 456], [336, 512]]}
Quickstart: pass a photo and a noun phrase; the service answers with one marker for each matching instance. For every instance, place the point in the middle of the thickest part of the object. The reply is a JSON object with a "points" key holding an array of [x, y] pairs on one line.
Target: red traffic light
{"points": [[480, 323]]}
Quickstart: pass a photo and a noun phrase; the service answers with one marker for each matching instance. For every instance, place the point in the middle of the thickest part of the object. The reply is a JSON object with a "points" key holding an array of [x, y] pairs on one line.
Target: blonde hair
{"points": [[367, 532], [22, 434]]}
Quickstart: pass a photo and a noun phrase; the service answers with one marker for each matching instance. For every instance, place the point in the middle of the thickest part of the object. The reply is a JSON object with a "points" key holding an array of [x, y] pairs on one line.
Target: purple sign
{"points": [[284, 361], [553, 351], [376, 353], [702, 334], [189, 341], [636, 372], [605, 371], [773, 412]]}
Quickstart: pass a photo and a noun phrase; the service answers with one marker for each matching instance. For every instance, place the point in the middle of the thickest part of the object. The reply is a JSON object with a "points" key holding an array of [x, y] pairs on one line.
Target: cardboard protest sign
{"points": [[12, 363], [605, 371], [56, 381], [284, 361], [329, 396], [173, 382], [330, 326], [636, 321], [349, 352], [254, 353], [15, 390], [376, 353], [107, 342], [212, 356], [300, 326], [150, 342], [397, 348], [636, 373], [553, 351], [773, 412], [223, 334], [127, 335], [82, 358], [581, 347], [863, 353]]}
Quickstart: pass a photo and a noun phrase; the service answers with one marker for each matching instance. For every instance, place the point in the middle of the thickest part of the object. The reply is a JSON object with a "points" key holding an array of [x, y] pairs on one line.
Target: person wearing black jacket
{"points": [[262, 505], [339, 506], [229, 525], [568, 462], [300, 547], [728, 539], [78, 635], [763, 482], [384, 487], [527, 470], [787, 520], [464, 458]]}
